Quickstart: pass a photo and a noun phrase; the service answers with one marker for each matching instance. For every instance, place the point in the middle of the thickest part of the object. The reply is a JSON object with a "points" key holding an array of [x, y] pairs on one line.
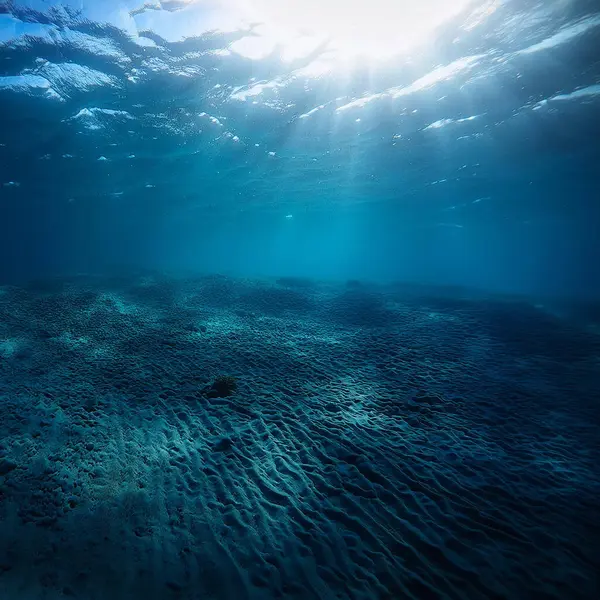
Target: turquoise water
{"points": [[148, 137], [380, 218]]}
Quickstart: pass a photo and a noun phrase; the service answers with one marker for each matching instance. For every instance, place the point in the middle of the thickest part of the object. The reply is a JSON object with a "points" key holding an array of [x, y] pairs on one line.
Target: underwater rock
{"points": [[222, 387]]}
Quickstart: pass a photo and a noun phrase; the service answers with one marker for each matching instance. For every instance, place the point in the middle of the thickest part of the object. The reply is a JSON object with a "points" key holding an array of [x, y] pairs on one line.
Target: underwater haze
{"points": [[299, 300], [182, 135]]}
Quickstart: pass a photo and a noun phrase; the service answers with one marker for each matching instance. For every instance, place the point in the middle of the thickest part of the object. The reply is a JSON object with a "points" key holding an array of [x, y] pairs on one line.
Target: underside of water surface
{"points": [[299, 300]]}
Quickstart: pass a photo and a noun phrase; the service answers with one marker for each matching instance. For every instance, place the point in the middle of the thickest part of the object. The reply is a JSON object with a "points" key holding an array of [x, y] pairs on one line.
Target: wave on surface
{"points": [[127, 88]]}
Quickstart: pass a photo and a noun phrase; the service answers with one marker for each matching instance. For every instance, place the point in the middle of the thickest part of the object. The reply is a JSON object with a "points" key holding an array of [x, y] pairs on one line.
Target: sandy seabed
{"points": [[383, 442]]}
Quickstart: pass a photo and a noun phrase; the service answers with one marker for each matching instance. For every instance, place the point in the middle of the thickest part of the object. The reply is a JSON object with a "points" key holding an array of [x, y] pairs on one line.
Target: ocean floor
{"points": [[381, 443]]}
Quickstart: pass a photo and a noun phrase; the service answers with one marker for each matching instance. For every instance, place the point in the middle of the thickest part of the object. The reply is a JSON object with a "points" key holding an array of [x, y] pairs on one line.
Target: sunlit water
{"points": [[327, 139], [380, 218]]}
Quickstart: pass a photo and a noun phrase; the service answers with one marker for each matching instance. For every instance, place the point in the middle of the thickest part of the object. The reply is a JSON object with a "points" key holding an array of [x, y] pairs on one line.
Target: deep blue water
{"points": [[382, 219], [207, 151]]}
